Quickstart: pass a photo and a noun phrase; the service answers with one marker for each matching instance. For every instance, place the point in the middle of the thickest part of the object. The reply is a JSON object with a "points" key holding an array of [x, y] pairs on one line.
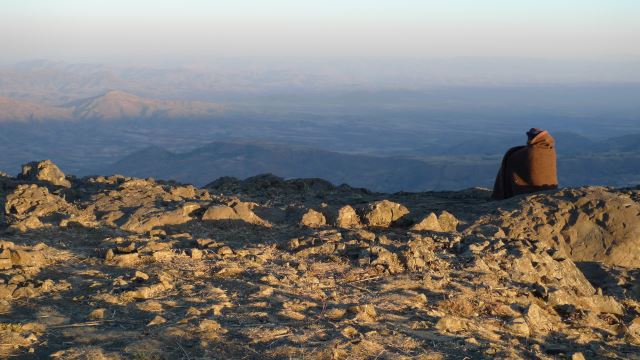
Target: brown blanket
{"points": [[527, 169]]}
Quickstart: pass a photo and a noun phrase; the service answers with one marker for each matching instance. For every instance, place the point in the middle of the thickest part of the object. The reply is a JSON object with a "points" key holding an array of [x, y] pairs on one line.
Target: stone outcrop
{"points": [[30, 207], [236, 211], [594, 224], [31, 200], [45, 171]]}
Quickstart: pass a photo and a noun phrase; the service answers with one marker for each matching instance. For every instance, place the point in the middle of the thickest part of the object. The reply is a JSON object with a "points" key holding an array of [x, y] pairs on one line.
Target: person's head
{"points": [[533, 132]]}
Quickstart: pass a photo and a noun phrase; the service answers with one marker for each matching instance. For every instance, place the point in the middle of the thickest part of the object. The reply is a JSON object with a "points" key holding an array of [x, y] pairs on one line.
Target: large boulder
{"points": [[240, 211], [384, 213], [44, 171]]}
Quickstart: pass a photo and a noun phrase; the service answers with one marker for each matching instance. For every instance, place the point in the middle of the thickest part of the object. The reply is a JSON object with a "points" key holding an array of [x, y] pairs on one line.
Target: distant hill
{"points": [[243, 160], [18, 110], [115, 105], [112, 105], [626, 143], [387, 174]]}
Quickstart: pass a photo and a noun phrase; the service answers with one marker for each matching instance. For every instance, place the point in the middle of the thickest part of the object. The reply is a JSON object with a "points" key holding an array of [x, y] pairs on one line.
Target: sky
{"points": [[140, 30]]}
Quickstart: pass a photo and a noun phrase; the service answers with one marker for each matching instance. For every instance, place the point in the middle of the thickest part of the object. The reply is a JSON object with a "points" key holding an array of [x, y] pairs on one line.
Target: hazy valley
{"points": [[444, 137]]}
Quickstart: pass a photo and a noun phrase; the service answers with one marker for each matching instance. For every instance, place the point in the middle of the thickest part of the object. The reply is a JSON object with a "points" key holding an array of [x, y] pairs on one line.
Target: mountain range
{"points": [[387, 174], [112, 105]]}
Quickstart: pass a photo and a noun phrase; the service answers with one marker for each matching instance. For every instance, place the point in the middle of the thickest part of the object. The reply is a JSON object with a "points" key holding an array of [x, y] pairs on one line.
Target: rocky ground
{"points": [[116, 267]]}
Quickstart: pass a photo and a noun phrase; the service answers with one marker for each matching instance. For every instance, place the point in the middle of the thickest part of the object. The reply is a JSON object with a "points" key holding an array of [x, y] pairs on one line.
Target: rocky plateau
{"points": [[114, 267]]}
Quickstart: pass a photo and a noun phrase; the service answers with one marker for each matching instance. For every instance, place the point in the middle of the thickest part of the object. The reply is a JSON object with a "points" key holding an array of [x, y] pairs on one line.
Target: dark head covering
{"points": [[533, 132]]}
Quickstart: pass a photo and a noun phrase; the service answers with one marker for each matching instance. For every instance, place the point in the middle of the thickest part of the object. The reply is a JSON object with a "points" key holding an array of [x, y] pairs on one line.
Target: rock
{"points": [[335, 313], [139, 275], [220, 212], [27, 258], [6, 291], [44, 171], [293, 315], [124, 259], [5, 259], [384, 213], [158, 320], [593, 224], [448, 222], [208, 325], [348, 218], [34, 201], [386, 260], [364, 313], [146, 292], [25, 292], [97, 314], [237, 211], [349, 332], [186, 192], [429, 223], [196, 254], [30, 223], [452, 324], [489, 231], [365, 235], [633, 329], [145, 219], [519, 327], [5, 263], [443, 223], [313, 219], [577, 356], [596, 303], [538, 319]]}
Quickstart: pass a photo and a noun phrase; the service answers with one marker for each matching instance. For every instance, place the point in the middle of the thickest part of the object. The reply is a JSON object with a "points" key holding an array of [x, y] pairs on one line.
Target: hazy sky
{"points": [[123, 30]]}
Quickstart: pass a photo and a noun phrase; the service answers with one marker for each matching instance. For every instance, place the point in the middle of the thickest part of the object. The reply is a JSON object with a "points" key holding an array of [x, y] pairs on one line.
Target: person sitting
{"points": [[527, 169]]}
